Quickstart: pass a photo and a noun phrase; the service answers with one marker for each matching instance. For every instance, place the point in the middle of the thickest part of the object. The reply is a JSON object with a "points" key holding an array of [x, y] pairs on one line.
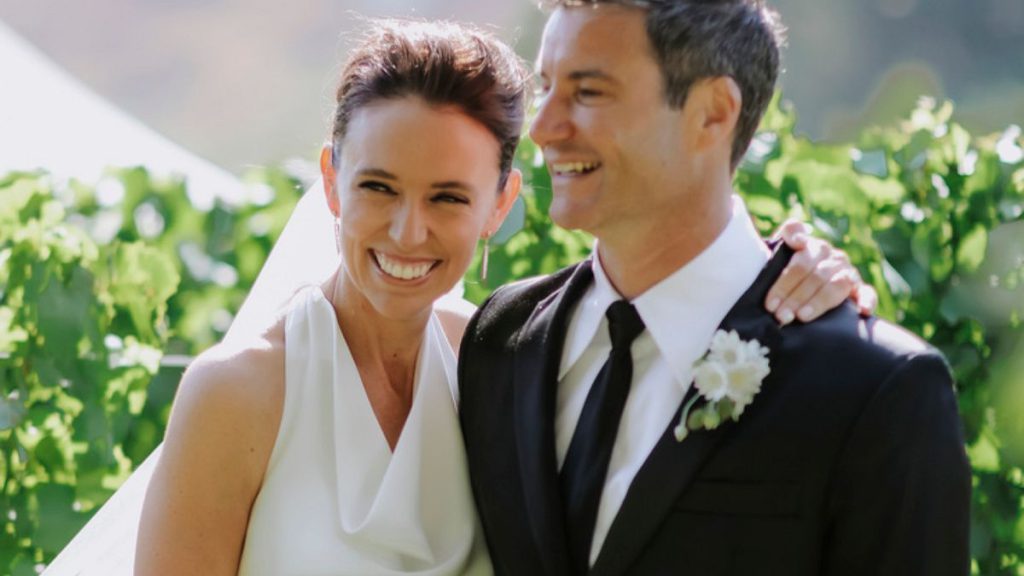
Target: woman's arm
{"points": [[221, 432]]}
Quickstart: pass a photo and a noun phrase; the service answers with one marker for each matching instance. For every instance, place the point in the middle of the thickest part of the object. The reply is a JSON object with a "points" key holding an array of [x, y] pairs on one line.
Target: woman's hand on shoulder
{"points": [[222, 429], [817, 279]]}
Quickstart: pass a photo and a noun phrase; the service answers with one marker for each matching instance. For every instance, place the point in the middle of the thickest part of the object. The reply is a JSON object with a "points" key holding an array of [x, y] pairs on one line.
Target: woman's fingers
{"points": [[866, 298], [794, 233], [818, 278]]}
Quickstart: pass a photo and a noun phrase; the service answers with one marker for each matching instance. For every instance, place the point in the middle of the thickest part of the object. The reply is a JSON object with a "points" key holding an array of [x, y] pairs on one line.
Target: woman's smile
{"points": [[406, 270]]}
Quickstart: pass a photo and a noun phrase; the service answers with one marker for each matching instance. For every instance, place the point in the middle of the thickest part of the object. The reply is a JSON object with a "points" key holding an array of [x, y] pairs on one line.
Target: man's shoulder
{"points": [[843, 338], [512, 304], [893, 338]]}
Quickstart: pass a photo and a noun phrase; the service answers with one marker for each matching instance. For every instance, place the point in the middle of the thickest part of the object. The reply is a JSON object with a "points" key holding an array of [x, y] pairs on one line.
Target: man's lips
{"points": [[572, 168]]}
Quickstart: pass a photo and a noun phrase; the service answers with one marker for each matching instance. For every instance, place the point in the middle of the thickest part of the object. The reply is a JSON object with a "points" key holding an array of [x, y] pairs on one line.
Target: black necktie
{"points": [[586, 462]]}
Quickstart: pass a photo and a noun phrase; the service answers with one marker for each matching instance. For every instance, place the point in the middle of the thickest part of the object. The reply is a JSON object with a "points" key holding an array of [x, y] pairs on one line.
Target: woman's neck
{"points": [[384, 350], [372, 337]]}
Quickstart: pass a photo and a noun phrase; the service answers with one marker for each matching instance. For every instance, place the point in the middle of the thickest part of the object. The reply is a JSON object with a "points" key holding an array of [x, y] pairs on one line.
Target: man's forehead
{"points": [[589, 36]]}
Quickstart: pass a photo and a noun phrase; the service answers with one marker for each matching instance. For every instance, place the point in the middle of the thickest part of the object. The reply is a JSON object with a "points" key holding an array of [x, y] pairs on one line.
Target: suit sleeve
{"points": [[900, 503], [466, 352]]}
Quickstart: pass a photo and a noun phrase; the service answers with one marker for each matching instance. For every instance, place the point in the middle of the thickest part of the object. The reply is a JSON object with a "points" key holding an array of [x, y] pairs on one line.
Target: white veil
{"points": [[304, 254]]}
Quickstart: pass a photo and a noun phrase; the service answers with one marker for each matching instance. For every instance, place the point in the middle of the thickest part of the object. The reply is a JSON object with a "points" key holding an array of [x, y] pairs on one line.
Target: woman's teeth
{"points": [[566, 168], [401, 271]]}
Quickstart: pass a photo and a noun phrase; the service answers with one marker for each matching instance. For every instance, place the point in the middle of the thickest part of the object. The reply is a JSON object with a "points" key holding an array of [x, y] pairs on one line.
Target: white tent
{"points": [[50, 120]]}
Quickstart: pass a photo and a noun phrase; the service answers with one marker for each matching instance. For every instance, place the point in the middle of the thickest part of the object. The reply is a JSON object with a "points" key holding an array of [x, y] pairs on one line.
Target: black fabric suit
{"points": [[850, 461]]}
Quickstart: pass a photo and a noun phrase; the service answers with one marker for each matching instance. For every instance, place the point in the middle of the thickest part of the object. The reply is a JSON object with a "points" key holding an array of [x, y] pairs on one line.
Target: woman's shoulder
{"points": [[248, 368], [234, 392], [454, 315]]}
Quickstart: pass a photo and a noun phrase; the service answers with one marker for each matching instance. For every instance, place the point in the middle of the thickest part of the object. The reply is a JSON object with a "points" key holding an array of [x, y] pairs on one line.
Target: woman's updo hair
{"points": [[445, 64]]}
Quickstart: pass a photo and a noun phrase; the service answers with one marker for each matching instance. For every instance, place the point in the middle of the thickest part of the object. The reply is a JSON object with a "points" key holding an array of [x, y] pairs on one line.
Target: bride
{"points": [[329, 444]]}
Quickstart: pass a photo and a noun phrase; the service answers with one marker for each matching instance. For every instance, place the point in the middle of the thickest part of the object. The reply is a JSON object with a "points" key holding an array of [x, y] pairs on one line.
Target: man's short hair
{"points": [[697, 39]]}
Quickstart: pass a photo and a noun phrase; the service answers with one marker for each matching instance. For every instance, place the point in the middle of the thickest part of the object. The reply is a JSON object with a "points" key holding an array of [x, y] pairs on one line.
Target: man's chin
{"points": [[565, 223], [567, 215]]}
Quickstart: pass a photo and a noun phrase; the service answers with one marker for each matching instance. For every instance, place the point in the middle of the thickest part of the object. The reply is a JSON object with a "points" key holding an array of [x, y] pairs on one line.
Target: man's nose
{"points": [[552, 123]]}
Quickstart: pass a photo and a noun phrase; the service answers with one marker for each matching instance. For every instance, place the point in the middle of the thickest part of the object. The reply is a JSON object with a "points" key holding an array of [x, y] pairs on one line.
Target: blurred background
{"points": [[214, 98], [249, 82]]}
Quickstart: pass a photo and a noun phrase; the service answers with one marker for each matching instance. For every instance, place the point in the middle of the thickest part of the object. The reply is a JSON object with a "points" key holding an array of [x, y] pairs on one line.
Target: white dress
{"points": [[335, 500]]}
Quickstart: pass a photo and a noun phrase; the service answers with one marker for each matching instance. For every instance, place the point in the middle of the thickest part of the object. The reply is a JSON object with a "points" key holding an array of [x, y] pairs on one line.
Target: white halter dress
{"points": [[335, 499]]}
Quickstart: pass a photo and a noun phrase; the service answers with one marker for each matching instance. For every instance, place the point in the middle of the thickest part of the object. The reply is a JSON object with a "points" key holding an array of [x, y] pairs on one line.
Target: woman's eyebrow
{"points": [[452, 185], [376, 173]]}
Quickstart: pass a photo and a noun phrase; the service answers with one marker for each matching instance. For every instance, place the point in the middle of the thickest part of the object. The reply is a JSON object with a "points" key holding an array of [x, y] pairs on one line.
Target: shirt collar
{"points": [[588, 317], [682, 311]]}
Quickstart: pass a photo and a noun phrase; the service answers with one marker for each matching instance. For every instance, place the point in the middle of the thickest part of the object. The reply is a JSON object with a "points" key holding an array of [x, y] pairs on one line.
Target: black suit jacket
{"points": [[850, 461]]}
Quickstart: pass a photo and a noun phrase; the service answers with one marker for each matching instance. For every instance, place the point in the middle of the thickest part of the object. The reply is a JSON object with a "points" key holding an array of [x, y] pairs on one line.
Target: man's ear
{"points": [[330, 179], [720, 102], [506, 199]]}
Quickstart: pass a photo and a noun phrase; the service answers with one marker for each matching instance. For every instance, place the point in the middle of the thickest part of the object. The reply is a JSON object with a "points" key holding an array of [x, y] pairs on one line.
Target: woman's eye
{"points": [[376, 186]]}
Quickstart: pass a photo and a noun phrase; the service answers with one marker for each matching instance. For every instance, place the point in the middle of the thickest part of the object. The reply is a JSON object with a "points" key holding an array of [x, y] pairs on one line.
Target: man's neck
{"points": [[637, 256]]}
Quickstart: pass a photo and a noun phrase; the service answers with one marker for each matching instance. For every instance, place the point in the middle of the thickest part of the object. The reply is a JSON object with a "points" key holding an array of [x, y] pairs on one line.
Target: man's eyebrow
{"points": [[591, 74], [585, 74]]}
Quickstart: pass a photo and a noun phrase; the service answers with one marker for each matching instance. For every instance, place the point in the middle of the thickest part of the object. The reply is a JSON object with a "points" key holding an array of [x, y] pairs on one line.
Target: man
{"points": [[848, 457]]}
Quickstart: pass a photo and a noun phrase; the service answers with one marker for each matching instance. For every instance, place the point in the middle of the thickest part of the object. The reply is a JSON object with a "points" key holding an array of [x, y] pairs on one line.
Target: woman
{"points": [[330, 443]]}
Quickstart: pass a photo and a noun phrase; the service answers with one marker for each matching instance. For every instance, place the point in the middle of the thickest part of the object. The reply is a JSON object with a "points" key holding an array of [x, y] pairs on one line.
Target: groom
{"points": [[846, 460]]}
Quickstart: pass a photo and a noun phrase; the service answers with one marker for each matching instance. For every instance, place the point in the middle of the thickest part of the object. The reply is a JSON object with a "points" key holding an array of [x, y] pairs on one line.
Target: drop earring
{"points": [[337, 235], [484, 257]]}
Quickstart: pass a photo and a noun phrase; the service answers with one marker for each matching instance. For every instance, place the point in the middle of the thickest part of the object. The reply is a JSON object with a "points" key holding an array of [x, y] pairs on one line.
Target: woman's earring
{"points": [[337, 235], [483, 258]]}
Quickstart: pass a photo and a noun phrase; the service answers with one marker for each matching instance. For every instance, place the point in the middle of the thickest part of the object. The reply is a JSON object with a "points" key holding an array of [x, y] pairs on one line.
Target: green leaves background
{"points": [[98, 284], [106, 287]]}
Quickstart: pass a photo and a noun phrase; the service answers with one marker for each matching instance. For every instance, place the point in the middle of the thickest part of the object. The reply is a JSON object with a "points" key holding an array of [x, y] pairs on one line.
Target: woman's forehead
{"points": [[409, 135]]}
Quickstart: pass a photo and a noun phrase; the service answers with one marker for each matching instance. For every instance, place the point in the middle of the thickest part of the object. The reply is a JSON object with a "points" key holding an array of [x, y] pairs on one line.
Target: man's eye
{"points": [[588, 93], [451, 198]]}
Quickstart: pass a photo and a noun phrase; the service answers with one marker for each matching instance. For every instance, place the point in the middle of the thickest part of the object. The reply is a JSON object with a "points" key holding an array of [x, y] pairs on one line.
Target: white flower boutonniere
{"points": [[728, 377]]}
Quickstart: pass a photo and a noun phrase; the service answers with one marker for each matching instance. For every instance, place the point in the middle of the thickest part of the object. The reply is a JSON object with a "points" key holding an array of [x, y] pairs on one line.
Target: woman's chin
{"points": [[407, 301], [402, 299], [403, 309]]}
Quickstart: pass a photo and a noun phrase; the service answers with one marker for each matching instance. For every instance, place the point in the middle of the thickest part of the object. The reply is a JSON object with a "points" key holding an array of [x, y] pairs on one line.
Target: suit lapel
{"points": [[672, 465], [535, 377]]}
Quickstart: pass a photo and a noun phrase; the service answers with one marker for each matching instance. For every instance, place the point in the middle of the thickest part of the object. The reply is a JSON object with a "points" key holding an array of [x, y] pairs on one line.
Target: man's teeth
{"points": [[401, 271], [573, 167]]}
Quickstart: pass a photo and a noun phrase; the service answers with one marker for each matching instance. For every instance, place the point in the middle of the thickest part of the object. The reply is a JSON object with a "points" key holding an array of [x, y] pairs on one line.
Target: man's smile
{"points": [[573, 168]]}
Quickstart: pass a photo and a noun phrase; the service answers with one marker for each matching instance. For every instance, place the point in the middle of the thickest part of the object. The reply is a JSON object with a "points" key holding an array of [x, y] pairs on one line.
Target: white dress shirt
{"points": [[681, 314]]}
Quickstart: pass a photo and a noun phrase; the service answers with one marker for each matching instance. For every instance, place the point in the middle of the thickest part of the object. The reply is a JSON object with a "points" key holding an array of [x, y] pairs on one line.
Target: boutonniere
{"points": [[727, 377]]}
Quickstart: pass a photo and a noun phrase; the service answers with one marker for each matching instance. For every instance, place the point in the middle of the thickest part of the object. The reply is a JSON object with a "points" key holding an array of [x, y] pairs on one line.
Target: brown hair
{"points": [[696, 39], [445, 64]]}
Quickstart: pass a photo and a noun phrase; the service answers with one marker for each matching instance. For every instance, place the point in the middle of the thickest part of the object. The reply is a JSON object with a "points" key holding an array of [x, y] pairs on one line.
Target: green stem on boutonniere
{"points": [[682, 430]]}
